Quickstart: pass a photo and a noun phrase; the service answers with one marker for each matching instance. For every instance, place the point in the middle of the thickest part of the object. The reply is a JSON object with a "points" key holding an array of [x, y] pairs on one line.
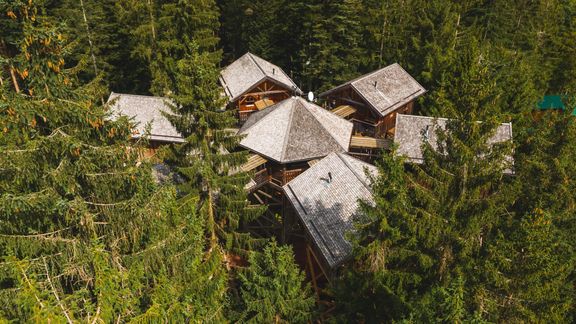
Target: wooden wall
{"points": [[366, 121], [264, 90]]}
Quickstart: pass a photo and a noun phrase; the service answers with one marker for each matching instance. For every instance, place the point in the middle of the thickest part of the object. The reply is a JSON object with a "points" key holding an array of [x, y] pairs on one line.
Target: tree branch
{"points": [[55, 293]]}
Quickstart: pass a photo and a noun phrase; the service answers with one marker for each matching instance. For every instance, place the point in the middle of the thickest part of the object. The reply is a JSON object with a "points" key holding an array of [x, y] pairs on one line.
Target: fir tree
{"points": [[85, 234], [331, 52], [272, 288], [102, 43], [373, 281], [207, 160], [531, 267], [431, 226], [162, 32]]}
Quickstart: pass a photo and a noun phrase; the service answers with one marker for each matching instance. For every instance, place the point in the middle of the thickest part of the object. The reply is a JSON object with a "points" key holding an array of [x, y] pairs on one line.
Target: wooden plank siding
{"points": [[264, 94], [367, 122]]}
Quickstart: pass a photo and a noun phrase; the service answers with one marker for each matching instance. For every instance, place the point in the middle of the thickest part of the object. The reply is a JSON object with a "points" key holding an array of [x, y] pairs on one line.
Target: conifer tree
{"points": [[372, 281], [163, 30], [331, 50], [272, 288], [85, 234], [443, 214], [530, 271], [102, 42], [207, 160], [535, 254]]}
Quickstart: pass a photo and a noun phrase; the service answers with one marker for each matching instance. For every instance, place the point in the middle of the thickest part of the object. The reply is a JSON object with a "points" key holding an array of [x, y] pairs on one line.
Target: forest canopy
{"points": [[88, 233]]}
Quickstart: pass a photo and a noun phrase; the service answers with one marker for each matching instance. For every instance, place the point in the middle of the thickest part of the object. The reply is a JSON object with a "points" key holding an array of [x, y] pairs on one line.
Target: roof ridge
{"points": [[266, 75], [358, 78], [288, 128], [258, 65], [353, 171], [322, 125]]}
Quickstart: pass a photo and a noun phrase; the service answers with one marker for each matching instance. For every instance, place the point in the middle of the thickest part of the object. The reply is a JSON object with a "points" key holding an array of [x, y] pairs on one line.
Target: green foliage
{"points": [[100, 40], [85, 232], [207, 159], [528, 274], [273, 289], [162, 32]]}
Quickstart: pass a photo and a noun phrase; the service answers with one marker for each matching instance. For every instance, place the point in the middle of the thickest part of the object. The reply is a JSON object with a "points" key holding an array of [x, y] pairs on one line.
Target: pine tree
{"points": [[272, 288], [531, 265], [373, 281], [260, 31], [85, 233], [535, 255]]}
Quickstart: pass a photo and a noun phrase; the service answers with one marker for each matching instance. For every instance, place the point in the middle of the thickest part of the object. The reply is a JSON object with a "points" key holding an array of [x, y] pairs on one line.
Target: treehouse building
{"points": [[372, 101], [324, 200], [412, 132], [252, 84], [285, 140], [146, 110]]}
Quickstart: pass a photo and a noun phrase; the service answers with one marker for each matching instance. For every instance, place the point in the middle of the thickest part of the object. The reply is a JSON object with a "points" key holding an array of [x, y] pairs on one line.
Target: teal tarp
{"points": [[554, 102]]}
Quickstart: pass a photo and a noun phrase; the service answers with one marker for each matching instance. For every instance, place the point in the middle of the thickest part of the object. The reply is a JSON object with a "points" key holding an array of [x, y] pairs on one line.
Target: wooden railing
{"points": [[261, 177], [244, 115], [291, 174]]}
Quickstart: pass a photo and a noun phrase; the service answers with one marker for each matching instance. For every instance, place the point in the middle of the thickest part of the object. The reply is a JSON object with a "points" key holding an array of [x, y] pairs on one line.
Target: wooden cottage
{"points": [[252, 84], [413, 131], [292, 133], [285, 140], [325, 200], [146, 110], [372, 101]]}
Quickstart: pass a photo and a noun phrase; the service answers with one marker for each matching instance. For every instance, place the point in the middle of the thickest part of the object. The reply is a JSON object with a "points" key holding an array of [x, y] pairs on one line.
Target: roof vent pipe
{"points": [[427, 132], [273, 71], [329, 177], [375, 84]]}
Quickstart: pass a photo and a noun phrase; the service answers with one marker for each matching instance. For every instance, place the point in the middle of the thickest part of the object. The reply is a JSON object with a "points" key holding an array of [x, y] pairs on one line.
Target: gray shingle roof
{"points": [[327, 208], [295, 130], [412, 130], [250, 70], [144, 110], [386, 89]]}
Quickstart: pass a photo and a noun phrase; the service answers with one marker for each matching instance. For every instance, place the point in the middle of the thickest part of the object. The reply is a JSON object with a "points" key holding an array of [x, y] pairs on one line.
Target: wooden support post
{"points": [[267, 195], [320, 265], [284, 220], [259, 199], [312, 273]]}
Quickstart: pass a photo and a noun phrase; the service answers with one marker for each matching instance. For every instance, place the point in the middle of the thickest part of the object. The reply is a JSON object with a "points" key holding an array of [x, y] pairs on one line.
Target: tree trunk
{"points": [[151, 20], [14, 80], [211, 220], [89, 38]]}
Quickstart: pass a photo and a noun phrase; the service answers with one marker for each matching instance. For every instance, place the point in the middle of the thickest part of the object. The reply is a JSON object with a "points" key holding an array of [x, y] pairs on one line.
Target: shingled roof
{"points": [[412, 130], [327, 206], [144, 110], [250, 70], [386, 89], [295, 130]]}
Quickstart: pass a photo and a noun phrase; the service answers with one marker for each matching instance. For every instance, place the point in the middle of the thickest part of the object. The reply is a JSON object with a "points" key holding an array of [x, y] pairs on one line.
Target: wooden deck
{"points": [[369, 142]]}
